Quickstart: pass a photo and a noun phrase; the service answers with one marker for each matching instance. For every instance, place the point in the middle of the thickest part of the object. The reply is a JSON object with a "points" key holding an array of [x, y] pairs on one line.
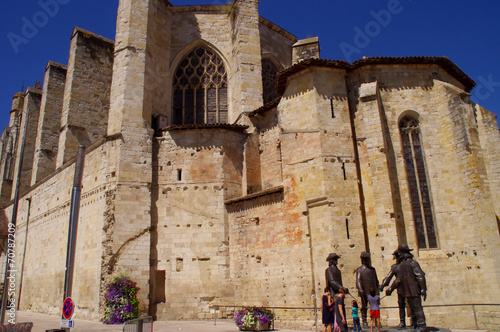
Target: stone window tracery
{"points": [[200, 89], [418, 185], [269, 71]]}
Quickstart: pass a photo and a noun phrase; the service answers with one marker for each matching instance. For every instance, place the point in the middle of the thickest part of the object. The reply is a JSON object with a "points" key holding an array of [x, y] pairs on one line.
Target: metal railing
{"points": [[216, 307], [474, 307], [143, 324]]}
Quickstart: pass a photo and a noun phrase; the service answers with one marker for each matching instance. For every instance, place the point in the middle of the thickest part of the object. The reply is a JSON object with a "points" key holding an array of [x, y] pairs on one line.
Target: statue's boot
{"points": [[401, 326], [421, 328], [365, 325]]}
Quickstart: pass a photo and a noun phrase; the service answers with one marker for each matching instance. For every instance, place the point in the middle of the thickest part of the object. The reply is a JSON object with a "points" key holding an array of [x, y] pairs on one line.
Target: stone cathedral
{"points": [[225, 160]]}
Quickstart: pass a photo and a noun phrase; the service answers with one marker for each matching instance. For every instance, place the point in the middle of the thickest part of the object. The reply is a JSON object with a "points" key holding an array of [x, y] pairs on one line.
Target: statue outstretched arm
{"points": [[394, 286], [387, 279]]}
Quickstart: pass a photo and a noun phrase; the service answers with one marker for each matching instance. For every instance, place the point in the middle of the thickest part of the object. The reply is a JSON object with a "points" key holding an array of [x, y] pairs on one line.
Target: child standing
{"points": [[340, 317], [355, 317], [327, 316], [374, 300]]}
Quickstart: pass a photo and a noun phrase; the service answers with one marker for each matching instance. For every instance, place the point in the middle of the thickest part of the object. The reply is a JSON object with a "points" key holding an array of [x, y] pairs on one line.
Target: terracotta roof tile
{"points": [[270, 105], [205, 126], [445, 63], [278, 189], [282, 77]]}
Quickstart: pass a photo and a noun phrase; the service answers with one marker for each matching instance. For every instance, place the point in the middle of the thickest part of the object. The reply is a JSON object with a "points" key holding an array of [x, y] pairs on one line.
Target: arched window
{"points": [[269, 71], [418, 185], [200, 89]]}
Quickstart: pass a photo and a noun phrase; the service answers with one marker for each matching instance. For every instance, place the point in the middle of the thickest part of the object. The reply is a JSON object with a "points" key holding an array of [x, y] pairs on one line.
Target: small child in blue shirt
{"points": [[355, 317]]}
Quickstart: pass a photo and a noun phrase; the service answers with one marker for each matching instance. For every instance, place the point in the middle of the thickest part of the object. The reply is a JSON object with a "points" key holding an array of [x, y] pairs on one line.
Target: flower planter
{"points": [[253, 319], [256, 327]]}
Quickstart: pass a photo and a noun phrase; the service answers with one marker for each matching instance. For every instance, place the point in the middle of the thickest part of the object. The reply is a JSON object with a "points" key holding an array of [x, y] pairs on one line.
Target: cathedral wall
{"points": [[460, 196], [490, 141], [158, 80], [321, 200], [396, 76], [84, 117], [276, 42], [27, 128], [270, 157], [128, 217], [197, 171], [210, 24], [49, 122], [196, 26], [270, 261], [47, 238], [17, 106], [246, 69], [127, 89], [253, 170], [8, 139]]}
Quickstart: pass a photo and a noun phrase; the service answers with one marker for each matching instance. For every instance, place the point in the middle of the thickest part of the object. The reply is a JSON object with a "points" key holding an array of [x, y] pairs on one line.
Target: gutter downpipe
{"points": [[73, 223], [314, 202]]}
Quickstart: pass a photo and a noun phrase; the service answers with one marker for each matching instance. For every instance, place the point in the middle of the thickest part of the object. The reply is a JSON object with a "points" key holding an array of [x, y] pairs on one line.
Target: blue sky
{"points": [[33, 32]]}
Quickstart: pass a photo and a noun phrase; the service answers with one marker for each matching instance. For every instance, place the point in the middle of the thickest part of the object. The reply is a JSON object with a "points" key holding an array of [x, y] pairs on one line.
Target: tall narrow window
{"points": [[200, 89], [269, 71], [417, 183]]}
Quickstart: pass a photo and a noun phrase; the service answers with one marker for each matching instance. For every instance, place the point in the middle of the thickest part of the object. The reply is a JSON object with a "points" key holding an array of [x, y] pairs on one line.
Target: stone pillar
{"points": [[8, 143], [465, 190], [247, 69], [128, 240], [127, 91], [319, 169], [490, 141], [17, 106], [32, 101], [86, 93], [385, 225], [49, 123]]}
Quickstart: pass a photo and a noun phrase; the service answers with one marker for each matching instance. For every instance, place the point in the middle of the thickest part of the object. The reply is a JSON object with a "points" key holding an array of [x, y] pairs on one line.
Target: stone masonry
{"points": [[243, 210]]}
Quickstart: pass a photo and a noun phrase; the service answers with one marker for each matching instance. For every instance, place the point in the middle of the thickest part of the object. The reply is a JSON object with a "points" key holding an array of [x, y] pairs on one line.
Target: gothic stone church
{"points": [[225, 160]]}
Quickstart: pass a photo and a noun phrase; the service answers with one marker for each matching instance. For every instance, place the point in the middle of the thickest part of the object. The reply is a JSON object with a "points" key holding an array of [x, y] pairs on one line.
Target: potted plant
{"points": [[253, 319], [121, 301]]}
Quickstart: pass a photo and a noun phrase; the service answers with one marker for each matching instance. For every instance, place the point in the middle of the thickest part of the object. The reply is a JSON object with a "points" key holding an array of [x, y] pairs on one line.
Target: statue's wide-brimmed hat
{"points": [[365, 254], [332, 257], [402, 247]]}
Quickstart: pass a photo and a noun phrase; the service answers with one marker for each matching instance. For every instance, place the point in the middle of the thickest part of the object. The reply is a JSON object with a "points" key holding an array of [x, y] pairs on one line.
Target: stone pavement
{"points": [[42, 323]]}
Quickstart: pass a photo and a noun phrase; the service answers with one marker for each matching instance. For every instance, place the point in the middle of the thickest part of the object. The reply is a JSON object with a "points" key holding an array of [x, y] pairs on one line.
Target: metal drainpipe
{"points": [[73, 223], [313, 203], [306, 213], [24, 253]]}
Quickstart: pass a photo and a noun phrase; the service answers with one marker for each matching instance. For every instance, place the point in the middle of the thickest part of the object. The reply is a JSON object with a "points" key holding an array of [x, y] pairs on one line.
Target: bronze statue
{"points": [[398, 256], [366, 280], [410, 283], [333, 275]]}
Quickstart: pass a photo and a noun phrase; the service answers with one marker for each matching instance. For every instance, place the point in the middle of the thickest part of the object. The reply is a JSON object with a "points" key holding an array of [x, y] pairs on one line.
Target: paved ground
{"points": [[43, 323]]}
